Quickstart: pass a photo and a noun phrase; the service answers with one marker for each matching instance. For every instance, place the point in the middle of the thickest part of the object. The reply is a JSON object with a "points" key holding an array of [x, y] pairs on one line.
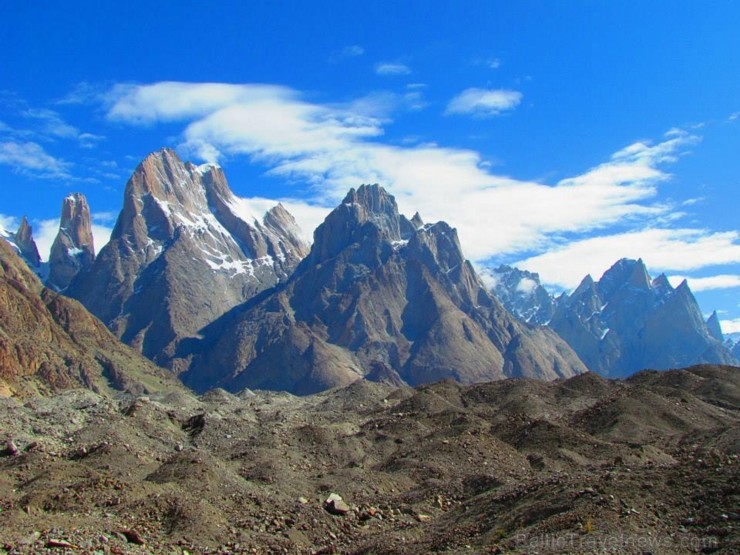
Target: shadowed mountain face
{"points": [[49, 342], [184, 251], [380, 296], [623, 323]]}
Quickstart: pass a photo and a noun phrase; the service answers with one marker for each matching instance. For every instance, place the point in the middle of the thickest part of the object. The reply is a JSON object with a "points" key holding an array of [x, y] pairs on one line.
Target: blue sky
{"points": [[558, 136]]}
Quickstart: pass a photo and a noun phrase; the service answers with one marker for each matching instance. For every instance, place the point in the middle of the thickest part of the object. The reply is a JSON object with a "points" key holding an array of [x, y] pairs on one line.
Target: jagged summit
{"points": [[73, 249], [378, 297], [184, 250], [626, 322]]}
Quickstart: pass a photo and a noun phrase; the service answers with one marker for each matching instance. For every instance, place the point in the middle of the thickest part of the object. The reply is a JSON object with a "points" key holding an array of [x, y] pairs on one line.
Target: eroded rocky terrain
{"points": [[585, 465]]}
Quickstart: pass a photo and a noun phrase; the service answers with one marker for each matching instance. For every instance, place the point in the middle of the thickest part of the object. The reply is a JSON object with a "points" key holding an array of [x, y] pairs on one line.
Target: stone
{"points": [[10, 447], [132, 536], [335, 505]]}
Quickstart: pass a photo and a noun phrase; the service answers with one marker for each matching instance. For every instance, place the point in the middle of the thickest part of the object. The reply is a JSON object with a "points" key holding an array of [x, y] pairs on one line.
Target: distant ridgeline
{"points": [[623, 323]]}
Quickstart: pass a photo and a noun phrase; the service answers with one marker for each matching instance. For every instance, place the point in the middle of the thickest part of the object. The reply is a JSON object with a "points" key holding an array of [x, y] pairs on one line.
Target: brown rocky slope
{"points": [[585, 465], [49, 342]]}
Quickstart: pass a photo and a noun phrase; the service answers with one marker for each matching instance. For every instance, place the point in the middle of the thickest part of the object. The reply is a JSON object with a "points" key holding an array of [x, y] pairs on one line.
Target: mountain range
{"points": [[196, 281], [622, 323], [378, 296]]}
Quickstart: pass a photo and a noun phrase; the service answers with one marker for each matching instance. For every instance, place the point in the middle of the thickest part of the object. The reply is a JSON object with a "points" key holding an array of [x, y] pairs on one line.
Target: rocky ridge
{"points": [[521, 293], [378, 296]]}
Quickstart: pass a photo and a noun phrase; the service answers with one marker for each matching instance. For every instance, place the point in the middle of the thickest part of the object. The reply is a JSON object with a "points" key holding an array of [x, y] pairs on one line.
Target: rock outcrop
{"points": [[378, 295], [184, 251], [26, 245], [49, 342], [714, 327], [73, 249]]}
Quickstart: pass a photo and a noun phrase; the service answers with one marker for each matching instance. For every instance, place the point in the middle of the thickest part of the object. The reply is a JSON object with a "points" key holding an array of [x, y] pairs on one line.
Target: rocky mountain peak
{"points": [[378, 206], [714, 327], [368, 303], [73, 249], [368, 215], [662, 286], [624, 271], [26, 245], [184, 250], [437, 245], [639, 277]]}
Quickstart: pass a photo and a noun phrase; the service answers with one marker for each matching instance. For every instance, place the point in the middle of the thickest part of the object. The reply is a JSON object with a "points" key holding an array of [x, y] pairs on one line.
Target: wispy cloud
{"points": [[392, 68], [85, 93], [50, 123], [31, 159], [722, 281], [484, 102], [490, 63], [352, 51], [8, 224], [333, 147]]}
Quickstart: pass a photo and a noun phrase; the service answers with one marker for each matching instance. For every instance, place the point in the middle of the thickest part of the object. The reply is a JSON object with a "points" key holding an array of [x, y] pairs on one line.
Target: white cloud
{"points": [[484, 102], [308, 216], [722, 281], [101, 234], [730, 326], [391, 68], [52, 123], [526, 285], [491, 63], [44, 233], [31, 158], [8, 224], [333, 147], [352, 51], [89, 140], [662, 249], [171, 101]]}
